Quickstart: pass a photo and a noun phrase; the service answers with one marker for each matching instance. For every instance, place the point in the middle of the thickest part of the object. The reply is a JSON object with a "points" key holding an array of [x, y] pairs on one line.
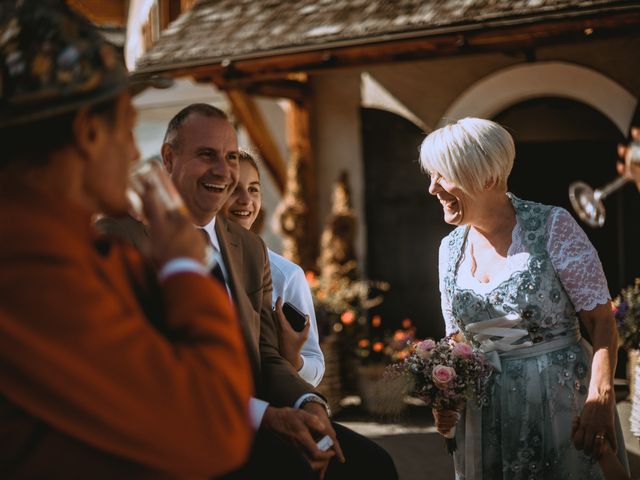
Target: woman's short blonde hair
{"points": [[472, 153]]}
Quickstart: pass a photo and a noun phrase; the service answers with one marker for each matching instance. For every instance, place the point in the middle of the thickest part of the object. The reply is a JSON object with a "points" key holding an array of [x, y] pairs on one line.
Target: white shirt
{"points": [[290, 283]]}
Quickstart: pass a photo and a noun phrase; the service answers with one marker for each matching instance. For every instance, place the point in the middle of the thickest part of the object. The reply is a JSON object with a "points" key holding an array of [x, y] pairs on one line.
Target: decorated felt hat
{"points": [[53, 61]]}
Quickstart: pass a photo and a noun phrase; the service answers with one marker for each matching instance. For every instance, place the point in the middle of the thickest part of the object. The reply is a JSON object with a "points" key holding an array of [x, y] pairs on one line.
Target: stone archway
{"points": [[504, 88]]}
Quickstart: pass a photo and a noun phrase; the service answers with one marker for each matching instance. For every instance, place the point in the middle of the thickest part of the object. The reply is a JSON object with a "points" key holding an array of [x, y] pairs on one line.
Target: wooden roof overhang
{"points": [[283, 72], [254, 70]]}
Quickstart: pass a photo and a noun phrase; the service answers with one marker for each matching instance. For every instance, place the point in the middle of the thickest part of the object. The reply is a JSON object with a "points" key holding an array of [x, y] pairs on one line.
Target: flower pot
{"points": [[380, 396], [331, 385]]}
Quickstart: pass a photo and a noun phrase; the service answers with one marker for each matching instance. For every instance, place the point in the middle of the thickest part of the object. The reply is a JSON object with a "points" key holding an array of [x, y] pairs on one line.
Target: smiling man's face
{"points": [[204, 165]]}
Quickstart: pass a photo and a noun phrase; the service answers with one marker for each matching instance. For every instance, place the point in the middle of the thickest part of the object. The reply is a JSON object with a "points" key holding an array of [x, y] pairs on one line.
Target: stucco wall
{"points": [[336, 141]]}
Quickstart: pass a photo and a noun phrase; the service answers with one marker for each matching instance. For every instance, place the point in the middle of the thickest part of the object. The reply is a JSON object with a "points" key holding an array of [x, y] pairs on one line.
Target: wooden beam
{"points": [[281, 88], [101, 12], [247, 112], [298, 118]]}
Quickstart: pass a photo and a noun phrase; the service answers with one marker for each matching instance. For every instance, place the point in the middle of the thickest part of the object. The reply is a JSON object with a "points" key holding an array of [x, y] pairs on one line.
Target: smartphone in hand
{"points": [[295, 317]]}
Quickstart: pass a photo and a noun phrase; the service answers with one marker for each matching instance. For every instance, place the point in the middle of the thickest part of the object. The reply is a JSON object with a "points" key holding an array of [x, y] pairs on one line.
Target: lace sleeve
{"points": [[443, 259], [576, 261]]}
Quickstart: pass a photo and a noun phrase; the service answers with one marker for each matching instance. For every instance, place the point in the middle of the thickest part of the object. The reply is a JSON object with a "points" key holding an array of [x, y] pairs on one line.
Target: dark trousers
{"points": [[272, 457]]}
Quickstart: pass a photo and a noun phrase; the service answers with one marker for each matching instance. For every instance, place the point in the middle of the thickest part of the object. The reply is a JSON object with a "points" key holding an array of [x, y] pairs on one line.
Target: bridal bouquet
{"points": [[626, 310], [445, 375]]}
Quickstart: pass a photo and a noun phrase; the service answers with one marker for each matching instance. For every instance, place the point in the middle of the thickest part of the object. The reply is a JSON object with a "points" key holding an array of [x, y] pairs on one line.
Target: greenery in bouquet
{"points": [[445, 374], [626, 310]]}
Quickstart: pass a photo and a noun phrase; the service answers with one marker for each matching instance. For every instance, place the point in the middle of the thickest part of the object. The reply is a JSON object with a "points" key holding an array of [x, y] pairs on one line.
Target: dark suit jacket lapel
{"points": [[232, 255]]}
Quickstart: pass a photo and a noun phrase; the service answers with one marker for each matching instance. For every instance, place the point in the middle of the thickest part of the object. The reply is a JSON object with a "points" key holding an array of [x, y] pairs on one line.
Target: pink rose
{"points": [[423, 349], [462, 350], [443, 375]]}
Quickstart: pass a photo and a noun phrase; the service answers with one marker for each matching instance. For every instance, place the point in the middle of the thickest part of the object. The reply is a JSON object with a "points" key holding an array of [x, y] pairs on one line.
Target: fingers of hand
{"points": [[446, 420], [622, 150], [610, 437], [336, 445], [591, 438], [327, 429], [313, 422], [150, 203], [299, 427], [320, 465], [575, 423], [323, 471], [578, 438], [282, 319], [308, 444], [304, 333]]}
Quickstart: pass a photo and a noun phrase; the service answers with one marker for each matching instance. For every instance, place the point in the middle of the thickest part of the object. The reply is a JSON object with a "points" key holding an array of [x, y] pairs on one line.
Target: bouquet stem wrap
{"points": [[450, 440]]}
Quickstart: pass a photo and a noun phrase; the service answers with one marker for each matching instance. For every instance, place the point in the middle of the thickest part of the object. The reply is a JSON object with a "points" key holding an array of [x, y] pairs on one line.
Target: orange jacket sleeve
{"points": [[77, 351]]}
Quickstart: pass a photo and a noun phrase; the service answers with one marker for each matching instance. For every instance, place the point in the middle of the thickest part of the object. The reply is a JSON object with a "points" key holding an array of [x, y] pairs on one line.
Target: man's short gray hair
{"points": [[472, 153], [173, 129]]}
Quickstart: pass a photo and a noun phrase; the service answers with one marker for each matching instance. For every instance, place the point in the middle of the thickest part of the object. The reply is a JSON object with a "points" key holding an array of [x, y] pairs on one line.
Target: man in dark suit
{"points": [[200, 152]]}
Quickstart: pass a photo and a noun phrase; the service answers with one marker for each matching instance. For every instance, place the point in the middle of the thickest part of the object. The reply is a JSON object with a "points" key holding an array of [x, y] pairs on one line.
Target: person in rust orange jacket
{"points": [[109, 367]]}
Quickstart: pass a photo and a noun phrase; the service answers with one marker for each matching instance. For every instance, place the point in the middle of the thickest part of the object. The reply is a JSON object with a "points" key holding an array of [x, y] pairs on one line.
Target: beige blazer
{"points": [[245, 256]]}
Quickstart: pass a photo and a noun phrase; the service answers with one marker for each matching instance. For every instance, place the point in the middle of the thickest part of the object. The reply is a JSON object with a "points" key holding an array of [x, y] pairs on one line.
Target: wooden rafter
{"points": [[282, 88], [101, 12], [247, 112], [298, 121]]}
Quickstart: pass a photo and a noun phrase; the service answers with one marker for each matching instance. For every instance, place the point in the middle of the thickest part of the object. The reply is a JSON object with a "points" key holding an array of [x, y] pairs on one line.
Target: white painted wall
{"points": [[337, 144], [137, 16]]}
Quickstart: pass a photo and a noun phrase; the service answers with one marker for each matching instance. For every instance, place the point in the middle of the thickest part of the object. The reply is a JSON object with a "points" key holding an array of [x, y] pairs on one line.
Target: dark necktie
{"points": [[216, 271]]}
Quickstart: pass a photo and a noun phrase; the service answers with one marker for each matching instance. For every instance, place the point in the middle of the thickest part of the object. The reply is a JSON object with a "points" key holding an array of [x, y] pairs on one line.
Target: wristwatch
{"points": [[319, 400]]}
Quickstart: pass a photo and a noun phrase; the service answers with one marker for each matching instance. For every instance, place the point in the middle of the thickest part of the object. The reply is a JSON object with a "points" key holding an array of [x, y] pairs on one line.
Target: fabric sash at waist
{"points": [[571, 338], [501, 338]]}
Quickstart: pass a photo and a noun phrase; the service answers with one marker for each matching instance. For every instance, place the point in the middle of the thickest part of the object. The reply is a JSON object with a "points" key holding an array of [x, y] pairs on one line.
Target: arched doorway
{"points": [[404, 225]]}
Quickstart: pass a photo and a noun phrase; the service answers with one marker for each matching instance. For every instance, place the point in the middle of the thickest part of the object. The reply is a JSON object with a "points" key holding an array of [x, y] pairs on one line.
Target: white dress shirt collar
{"points": [[210, 228]]}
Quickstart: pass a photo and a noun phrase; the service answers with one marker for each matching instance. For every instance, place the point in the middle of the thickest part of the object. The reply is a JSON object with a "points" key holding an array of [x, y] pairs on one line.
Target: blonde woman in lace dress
{"points": [[517, 278]]}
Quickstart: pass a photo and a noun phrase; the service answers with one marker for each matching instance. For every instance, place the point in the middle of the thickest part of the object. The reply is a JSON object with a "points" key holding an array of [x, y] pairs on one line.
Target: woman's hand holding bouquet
{"points": [[445, 375]]}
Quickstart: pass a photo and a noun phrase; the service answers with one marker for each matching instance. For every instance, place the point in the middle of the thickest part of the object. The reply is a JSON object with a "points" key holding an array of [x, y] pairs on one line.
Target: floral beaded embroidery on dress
{"points": [[532, 336]]}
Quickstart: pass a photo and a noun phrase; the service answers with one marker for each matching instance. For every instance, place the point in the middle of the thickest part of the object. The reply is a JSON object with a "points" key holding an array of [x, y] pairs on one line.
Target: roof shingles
{"points": [[218, 29]]}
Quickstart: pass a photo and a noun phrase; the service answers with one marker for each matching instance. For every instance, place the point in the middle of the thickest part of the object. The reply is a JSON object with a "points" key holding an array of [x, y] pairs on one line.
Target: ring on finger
{"points": [[599, 436]]}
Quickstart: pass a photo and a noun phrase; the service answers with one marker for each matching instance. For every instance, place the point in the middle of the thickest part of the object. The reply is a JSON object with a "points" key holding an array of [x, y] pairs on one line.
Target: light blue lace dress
{"points": [[526, 322]]}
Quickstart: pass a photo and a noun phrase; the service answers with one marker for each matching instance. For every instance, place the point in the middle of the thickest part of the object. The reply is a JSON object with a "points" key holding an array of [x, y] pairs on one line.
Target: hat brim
{"points": [[138, 82], [135, 84]]}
